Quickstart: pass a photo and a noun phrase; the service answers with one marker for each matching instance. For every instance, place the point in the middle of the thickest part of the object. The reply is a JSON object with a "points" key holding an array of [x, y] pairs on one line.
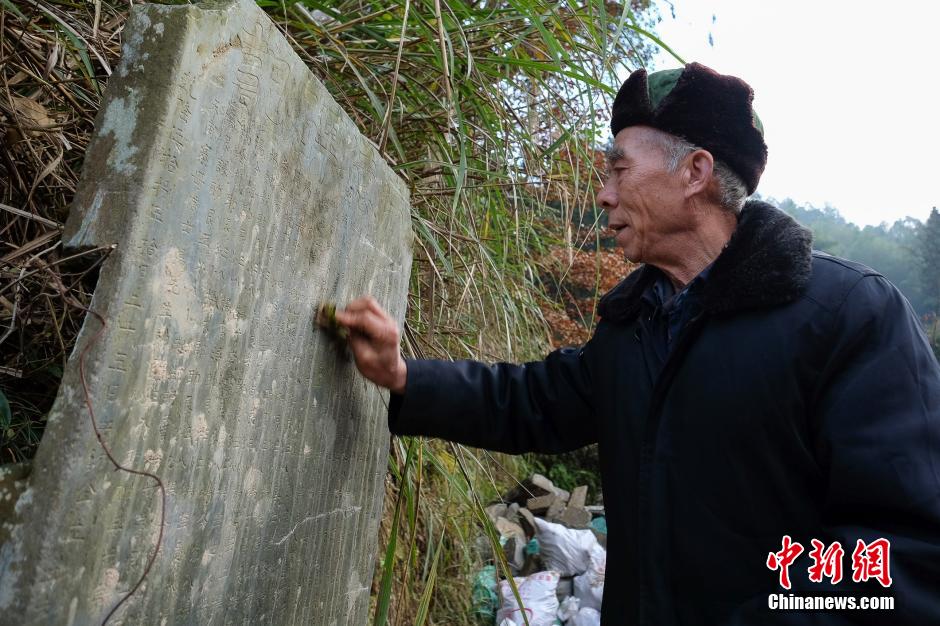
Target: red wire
{"points": [[118, 466]]}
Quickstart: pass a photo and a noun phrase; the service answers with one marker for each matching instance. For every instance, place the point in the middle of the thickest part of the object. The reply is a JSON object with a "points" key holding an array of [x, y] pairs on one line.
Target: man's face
{"points": [[645, 203]]}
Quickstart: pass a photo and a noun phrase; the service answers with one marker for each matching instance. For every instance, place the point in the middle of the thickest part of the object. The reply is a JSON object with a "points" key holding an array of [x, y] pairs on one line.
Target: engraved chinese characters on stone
{"points": [[240, 196]]}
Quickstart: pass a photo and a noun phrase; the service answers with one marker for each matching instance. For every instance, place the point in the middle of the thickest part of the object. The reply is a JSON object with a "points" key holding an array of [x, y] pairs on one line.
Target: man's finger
{"points": [[359, 304], [375, 307], [366, 322], [351, 315]]}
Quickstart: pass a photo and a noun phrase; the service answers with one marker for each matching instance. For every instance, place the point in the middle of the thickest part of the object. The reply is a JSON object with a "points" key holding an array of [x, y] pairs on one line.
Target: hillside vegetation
{"points": [[905, 251]]}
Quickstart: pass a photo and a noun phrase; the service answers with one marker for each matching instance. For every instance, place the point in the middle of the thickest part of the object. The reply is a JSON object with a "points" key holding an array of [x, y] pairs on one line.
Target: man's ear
{"points": [[698, 172]]}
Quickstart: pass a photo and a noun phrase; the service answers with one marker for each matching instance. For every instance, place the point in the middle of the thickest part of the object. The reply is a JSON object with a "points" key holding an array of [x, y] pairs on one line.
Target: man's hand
{"points": [[374, 342]]}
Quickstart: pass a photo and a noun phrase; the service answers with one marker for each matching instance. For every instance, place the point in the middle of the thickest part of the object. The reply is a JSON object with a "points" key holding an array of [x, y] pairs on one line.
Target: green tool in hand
{"points": [[326, 319]]}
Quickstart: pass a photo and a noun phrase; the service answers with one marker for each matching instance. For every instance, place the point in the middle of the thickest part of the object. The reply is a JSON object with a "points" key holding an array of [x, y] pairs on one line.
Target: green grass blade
{"points": [[388, 566]]}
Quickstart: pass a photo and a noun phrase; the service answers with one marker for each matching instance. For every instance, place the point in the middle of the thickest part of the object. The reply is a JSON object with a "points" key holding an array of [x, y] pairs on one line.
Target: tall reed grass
{"points": [[490, 110]]}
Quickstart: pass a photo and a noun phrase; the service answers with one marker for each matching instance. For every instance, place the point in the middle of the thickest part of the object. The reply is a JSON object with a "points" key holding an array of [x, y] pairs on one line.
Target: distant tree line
{"points": [[907, 252]]}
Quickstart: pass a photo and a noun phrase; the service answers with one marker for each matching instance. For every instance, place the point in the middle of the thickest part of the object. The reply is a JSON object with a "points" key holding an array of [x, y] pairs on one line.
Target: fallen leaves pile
{"points": [[575, 280]]}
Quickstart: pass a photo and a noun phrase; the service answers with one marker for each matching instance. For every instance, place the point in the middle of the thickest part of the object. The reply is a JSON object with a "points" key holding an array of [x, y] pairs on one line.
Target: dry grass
{"points": [[55, 60]]}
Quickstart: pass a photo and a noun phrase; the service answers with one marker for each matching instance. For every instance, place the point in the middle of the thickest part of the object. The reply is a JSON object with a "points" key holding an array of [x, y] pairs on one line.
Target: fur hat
{"points": [[696, 103]]}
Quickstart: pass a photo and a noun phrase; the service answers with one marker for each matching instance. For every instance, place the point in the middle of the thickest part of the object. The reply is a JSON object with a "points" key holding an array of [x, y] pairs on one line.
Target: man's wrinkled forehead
{"points": [[627, 150], [633, 144]]}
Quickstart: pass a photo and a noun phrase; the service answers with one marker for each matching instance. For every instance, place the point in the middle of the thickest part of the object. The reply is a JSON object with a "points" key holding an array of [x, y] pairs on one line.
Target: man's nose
{"points": [[606, 198]]}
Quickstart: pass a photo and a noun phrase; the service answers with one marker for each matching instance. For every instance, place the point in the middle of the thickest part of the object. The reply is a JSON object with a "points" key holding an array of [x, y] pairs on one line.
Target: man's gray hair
{"points": [[732, 192]]}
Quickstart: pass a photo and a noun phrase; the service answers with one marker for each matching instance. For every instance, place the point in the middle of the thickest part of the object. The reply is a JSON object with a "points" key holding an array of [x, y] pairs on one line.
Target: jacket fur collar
{"points": [[767, 262]]}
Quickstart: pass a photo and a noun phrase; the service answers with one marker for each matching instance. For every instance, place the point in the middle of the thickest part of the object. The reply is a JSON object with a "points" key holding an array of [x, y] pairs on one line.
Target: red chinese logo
{"points": [[782, 560], [871, 560], [826, 563]]}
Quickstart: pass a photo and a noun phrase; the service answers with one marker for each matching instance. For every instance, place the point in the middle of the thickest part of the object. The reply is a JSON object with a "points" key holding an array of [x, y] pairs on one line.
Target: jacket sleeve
{"points": [[877, 437], [542, 406]]}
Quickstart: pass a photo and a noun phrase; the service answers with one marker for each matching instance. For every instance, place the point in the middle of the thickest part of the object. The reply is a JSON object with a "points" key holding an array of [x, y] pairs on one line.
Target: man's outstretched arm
{"points": [[543, 406]]}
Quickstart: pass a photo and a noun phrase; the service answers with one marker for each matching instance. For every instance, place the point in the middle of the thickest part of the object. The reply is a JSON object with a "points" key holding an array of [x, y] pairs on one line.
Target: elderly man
{"points": [[768, 416]]}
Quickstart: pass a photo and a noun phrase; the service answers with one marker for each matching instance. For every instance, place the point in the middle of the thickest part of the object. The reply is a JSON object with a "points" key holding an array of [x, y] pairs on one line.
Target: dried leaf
{"points": [[31, 115], [17, 78]]}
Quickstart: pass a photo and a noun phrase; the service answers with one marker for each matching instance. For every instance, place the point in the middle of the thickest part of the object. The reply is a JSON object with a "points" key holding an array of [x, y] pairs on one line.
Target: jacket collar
{"points": [[767, 262]]}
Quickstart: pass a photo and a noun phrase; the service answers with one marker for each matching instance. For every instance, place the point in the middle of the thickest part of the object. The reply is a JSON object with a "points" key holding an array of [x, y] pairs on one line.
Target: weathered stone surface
{"points": [[537, 481], [539, 485], [539, 505], [578, 497], [240, 196], [533, 487], [512, 512], [509, 529], [527, 522], [495, 511], [514, 547], [514, 551], [13, 482], [575, 517], [555, 510]]}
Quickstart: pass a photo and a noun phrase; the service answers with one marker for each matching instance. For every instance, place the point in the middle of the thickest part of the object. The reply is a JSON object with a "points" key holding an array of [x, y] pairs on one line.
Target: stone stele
{"points": [[239, 196]]}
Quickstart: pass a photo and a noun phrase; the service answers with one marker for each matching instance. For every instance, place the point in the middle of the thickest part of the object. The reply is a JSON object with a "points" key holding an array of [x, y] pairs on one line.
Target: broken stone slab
{"points": [[515, 541], [578, 497], [596, 510], [239, 197], [537, 481], [505, 528], [555, 510], [575, 517], [527, 522], [547, 486], [540, 504], [514, 551], [512, 513], [534, 486], [495, 511]]}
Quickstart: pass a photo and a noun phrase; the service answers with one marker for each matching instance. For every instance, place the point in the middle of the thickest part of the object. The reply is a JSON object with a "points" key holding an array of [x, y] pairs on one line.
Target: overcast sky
{"points": [[848, 93]]}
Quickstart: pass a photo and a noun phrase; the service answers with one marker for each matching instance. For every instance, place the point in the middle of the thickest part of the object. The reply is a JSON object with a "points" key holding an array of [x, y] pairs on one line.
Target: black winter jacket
{"points": [[803, 401]]}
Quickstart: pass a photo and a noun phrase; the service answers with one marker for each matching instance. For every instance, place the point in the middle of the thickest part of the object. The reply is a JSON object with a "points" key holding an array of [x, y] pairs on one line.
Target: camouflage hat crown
{"points": [[698, 104]]}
